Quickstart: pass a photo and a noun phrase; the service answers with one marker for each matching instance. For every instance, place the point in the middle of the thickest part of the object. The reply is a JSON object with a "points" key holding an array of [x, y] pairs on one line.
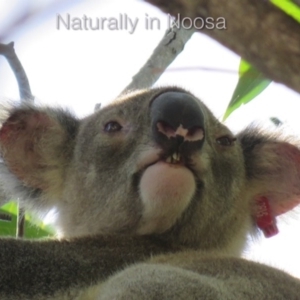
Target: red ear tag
{"points": [[264, 218]]}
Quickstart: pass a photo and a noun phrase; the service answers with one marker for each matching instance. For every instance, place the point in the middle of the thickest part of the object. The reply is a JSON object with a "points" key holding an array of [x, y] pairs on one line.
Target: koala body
{"points": [[154, 199]]}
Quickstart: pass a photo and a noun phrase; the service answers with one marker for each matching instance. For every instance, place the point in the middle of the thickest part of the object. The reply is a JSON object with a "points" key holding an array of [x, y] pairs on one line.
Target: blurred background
{"points": [[79, 68]]}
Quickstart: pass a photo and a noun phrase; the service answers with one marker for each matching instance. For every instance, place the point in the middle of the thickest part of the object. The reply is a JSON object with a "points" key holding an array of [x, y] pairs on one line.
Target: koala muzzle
{"points": [[177, 123]]}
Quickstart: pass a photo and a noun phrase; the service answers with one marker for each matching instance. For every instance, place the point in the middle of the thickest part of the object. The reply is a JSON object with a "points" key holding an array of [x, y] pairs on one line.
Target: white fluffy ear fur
{"points": [[273, 169], [35, 146]]}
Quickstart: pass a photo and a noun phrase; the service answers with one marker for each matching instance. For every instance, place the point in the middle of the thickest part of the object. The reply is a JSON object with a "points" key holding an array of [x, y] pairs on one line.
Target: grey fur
{"points": [[109, 247]]}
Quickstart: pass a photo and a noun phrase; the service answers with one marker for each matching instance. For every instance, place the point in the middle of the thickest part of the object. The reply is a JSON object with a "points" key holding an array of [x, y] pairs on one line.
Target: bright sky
{"points": [[80, 68]]}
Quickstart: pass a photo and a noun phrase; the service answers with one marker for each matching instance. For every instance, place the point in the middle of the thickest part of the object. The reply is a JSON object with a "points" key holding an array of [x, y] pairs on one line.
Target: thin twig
{"points": [[20, 222], [198, 68], [163, 55], [8, 51]]}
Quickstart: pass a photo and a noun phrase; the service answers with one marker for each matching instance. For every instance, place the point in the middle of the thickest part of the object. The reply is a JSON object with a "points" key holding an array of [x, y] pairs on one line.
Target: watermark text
{"points": [[129, 24]]}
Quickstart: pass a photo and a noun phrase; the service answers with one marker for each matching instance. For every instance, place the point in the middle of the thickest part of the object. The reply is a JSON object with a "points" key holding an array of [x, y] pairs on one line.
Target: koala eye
{"points": [[225, 140], [112, 126]]}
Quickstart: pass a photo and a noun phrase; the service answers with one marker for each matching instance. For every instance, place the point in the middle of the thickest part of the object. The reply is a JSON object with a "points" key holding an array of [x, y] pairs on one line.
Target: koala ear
{"points": [[36, 145], [273, 171]]}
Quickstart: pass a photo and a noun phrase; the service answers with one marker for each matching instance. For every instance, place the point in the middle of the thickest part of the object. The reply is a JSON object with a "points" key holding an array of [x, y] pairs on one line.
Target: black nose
{"points": [[177, 122]]}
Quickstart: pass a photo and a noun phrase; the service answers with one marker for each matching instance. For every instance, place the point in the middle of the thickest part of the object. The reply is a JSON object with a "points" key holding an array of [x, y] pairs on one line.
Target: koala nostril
{"points": [[177, 119], [195, 133], [165, 129]]}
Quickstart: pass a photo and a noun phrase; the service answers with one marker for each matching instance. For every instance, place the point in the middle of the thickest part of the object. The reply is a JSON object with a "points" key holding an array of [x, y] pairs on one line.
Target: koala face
{"points": [[155, 162]]}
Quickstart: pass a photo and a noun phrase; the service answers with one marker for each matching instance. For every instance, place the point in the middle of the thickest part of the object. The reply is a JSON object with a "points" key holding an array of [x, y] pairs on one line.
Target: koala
{"points": [[154, 199]]}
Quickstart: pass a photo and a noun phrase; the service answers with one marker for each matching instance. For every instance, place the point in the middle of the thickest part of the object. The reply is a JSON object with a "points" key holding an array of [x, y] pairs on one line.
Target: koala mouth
{"points": [[172, 157], [175, 159]]}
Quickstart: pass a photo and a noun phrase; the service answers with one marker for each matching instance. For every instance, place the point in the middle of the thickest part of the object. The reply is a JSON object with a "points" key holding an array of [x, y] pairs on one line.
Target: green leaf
{"points": [[250, 84], [289, 7], [251, 81], [34, 228]]}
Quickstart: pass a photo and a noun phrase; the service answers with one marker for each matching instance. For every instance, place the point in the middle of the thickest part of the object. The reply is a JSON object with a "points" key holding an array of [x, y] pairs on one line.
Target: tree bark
{"points": [[256, 30]]}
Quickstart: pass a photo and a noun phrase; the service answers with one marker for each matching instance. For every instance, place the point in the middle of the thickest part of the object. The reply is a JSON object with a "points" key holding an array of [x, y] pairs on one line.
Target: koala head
{"points": [[154, 162]]}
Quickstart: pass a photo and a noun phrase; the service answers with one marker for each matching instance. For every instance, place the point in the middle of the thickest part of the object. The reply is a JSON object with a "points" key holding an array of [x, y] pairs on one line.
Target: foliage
{"points": [[34, 228], [289, 8], [251, 81]]}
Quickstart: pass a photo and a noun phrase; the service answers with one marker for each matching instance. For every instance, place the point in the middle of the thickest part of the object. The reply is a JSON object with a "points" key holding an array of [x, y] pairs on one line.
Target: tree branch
{"points": [[163, 55], [171, 45], [256, 30], [8, 51]]}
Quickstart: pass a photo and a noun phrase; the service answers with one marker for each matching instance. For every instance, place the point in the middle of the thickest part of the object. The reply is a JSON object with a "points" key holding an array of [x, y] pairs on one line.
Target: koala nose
{"points": [[177, 122]]}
